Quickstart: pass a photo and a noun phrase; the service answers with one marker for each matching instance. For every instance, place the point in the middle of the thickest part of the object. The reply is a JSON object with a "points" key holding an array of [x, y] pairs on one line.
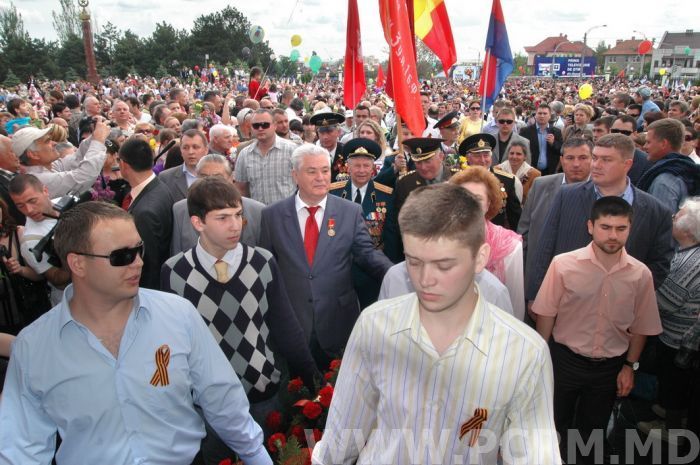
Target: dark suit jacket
{"points": [[5, 178], [322, 295], [153, 215], [174, 178], [539, 199], [185, 236], [509, 216], [553, 151], [338, 163], [566, 229], [640, 164]]}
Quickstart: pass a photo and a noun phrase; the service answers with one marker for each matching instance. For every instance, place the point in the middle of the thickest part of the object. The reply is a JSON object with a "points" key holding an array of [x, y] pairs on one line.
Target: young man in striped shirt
{"points": [[440, 375]]}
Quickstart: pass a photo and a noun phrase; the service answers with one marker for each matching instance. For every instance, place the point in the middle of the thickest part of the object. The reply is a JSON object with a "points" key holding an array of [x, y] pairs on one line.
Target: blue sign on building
{"points": [[564, 66]]}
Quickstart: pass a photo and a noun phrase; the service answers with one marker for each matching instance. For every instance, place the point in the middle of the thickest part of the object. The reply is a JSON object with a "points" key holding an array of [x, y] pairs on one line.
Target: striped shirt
{"points": [[397, 401], [679, 296], [269, 176]]}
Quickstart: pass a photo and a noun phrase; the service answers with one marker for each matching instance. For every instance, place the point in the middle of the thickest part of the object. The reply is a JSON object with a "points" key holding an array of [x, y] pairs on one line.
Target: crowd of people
{"points": [[176, 251]]}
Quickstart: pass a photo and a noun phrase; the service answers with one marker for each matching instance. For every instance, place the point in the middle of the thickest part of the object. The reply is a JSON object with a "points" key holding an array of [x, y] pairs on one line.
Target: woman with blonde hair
{"points": [[472, 122], [583, 114], [369, 129], [506, 259], [518, 164]]}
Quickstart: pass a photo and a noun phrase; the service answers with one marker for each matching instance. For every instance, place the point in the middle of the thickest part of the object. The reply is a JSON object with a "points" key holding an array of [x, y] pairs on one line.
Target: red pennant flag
{"points": [[405, 87], [354, 80], [380, 76]]}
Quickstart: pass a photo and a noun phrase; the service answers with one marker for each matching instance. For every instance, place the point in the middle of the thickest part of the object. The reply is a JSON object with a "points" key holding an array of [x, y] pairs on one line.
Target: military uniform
{"points": [[377, 204], [329, 121]]}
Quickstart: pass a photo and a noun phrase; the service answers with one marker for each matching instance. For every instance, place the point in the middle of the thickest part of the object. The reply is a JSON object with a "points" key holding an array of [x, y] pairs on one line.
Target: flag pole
{"points": [[485, 80], [399, 136]]}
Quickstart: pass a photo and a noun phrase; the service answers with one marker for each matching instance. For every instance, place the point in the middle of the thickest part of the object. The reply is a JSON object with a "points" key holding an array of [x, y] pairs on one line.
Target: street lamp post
{"points": [[583, 49], [554, 54]]}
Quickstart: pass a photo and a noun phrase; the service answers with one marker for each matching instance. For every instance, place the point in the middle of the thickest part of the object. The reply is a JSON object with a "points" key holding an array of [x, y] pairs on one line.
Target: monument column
{"points": [[87, 43]]}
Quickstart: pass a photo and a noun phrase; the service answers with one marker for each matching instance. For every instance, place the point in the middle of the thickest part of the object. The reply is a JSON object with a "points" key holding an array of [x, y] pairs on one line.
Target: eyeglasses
{"points": [[143, 131], [626, 132], [263, 125], [475, 108], [505, 121], [689, 137], [119, 257]]}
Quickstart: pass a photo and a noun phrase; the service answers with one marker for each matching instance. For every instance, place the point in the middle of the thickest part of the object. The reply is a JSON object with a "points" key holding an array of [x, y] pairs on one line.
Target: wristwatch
{"points": [[633, 365]]}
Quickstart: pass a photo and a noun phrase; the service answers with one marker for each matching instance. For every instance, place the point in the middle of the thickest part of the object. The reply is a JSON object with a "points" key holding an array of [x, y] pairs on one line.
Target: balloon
{"points": [[662, 71], [256, 34], [315, 63], [296, 40], [644, 47], [196, 67], [306, 59], [294, 56], [687, 50], [246, 52], [371, 81], [585, 91], [215, 73]]}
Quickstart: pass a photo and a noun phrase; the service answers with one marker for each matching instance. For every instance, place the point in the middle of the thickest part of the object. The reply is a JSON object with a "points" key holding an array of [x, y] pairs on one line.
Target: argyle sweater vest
{"points": [[235, 312]]}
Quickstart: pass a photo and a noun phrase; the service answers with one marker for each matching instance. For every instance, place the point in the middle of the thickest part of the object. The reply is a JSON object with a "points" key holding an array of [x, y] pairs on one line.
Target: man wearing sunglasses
{"points": [[264, 168], [116, 370], [505, 136], [672, 176], [627, 126]]}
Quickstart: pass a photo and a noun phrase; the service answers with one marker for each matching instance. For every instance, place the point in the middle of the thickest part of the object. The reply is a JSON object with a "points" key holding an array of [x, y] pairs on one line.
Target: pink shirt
{"points": [[598, 310]]}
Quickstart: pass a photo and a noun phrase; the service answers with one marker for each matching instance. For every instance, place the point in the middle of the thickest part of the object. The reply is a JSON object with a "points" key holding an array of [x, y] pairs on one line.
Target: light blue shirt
{"points": [[189, 177], [62, 379], [542, 140], [627, 195], [647, 106]]}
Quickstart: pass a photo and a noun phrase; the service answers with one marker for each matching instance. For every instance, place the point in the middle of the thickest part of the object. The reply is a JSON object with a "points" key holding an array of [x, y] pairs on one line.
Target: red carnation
{"points": [[226, 462], [317, 434], [312, 410], [276, 442], [298, 432], [325, 395], [328, 375], [335, 364], [295, 385], [273, 420]]}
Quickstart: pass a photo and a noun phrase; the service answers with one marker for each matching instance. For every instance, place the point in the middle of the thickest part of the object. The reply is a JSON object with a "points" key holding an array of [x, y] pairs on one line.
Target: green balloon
{"points": [[687, 50], [315, 63], [294, 56]]}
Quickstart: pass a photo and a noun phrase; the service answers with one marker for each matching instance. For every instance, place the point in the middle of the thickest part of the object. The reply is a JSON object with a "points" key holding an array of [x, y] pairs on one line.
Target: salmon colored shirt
{"points": [[598, 310]]}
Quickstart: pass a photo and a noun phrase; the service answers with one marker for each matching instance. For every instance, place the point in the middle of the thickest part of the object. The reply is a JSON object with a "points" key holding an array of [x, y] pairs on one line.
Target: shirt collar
{"points": [[187, 172], [300, 204], [207, 260], [363, 190], [627, 195], [138, 188], [474, 332], [587, 253]]}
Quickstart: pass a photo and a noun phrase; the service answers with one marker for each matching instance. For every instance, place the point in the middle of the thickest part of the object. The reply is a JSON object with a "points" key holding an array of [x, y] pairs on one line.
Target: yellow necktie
{"points": [[221, 268]]}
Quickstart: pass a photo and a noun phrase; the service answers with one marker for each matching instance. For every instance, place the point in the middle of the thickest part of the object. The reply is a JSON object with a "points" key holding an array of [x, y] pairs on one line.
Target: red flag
{"points": [[354, 83], [380, 76], [402, 63], [389, 87], [433, 28]]}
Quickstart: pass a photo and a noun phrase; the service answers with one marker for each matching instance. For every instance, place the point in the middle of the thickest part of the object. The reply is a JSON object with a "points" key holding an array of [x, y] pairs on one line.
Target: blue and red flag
{"points": [[498, 63]]}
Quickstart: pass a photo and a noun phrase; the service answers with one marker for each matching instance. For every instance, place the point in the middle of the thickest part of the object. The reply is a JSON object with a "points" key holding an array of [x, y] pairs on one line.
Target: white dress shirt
{"points": [[303, 213], [232, 258], [363, 191]]}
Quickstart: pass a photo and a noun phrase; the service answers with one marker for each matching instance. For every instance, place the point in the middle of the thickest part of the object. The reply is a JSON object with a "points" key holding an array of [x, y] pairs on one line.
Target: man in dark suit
{"points": [[545, 141], [478, 149], [376, 202], [627, 125], [315, 237], [566, 228], [328, 129], [193, 146], [185, 236], [9, 167], [575, 161], [150, 203]]}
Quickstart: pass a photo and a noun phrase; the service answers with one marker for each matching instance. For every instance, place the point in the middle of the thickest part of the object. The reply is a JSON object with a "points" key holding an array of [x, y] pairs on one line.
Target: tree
{"points": [[519, 62], [71, 75], [71, 54], [105, 42], [11, 26], [66, 22], [426, 61], [11, 80], [598, 54]]}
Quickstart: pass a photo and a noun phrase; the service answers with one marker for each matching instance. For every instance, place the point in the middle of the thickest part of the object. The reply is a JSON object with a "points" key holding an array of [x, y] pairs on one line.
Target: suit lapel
{"points": [[368, 200], [330, 213], [142, 194], [291, 227], [181, 183]]}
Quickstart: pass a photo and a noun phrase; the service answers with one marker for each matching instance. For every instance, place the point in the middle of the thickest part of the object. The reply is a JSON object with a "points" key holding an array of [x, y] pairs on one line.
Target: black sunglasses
{"points": [[475, 108], [263, 125], [626, 132], [505, 121], [119, 257], [689, 137]]}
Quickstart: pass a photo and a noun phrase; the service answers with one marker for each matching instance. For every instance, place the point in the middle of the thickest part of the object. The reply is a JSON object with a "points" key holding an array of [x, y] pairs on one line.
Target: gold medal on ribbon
{"points": [[331, 227]]}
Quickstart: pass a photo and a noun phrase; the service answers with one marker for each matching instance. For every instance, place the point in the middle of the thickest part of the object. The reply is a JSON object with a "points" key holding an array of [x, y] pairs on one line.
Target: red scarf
{"points": [[502, 241]]}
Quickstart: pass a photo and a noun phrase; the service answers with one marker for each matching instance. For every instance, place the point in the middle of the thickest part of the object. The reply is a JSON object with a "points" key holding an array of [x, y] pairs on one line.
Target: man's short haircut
{"points": [[544, 106], [690, 222], [479, 174], [220, 129], [22, 182], [606, 121], [297, 104], [278, 111], [209, 95], [362, 107], [72, 101], [133, 101], [74, 230], [505, 111], [634, 106], [619, 142], [556, 106], [263, 111], [679, 103], [188, 124], [175, 93], [443, 211], [137, 153], [669, 129], [623, 97], [307, 149], [158, 112], [211, 193], [611, 205], [58, 107], [195, 133], [651, 116], [574, 142], [213, 158], [145, 98], [628, 119]]}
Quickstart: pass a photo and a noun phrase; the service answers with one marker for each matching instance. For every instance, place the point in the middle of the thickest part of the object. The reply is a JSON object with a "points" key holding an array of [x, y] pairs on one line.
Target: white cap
{"points": [[25, 137]]}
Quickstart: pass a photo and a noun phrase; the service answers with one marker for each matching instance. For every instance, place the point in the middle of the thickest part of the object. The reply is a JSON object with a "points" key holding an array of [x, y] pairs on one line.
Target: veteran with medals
{"points": [[328, 129], [449, 131], [478, 150], [376, 202]]}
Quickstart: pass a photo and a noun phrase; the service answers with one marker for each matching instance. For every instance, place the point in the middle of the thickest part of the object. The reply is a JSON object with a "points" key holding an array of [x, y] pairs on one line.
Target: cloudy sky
{"points": [[321, 23]]}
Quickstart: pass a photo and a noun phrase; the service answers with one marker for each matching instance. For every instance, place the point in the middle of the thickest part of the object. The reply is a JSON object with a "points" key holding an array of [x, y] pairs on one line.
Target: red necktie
{"points": [[311, 234], [126, 203]]}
